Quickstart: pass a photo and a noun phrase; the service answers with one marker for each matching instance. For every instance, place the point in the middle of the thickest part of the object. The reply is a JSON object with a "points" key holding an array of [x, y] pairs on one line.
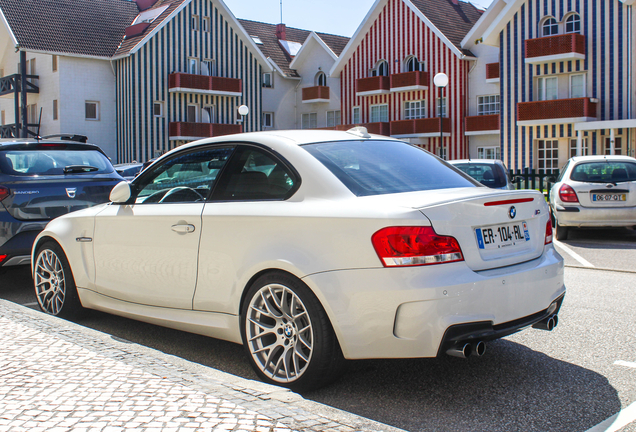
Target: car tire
{"points": [[287, 335], [561, 232], [54, 284]]}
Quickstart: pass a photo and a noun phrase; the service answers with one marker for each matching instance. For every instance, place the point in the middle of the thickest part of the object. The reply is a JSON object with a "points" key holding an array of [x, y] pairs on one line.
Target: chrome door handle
{"points": [[183, 228]]}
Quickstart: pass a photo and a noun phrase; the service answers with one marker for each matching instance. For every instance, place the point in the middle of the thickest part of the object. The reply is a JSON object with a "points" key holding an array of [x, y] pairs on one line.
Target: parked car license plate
{"points": [[500, 236], [609, 197]]}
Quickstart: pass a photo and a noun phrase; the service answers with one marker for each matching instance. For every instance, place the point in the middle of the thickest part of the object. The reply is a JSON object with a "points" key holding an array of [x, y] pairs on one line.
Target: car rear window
{"points": [[604, 172], [53, 162], [376, 167], [491, 175]]}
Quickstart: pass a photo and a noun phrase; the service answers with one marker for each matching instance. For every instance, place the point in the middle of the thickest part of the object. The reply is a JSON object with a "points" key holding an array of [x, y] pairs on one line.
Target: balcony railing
{"points": [[204, 84], [556, 111], [492, 72], [409, 81], [424, 127], [9, 131], [190, 131], [378, 128], [373, 85], [552, 48], [482, 124], [315, 94], [12, 83]]}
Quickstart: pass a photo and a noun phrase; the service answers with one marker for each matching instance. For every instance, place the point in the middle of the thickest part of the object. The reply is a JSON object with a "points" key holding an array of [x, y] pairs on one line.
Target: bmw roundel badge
{"points": [[512, 212]]}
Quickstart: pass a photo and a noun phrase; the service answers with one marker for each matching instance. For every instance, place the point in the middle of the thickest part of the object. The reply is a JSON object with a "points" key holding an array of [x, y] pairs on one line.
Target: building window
{"points": [[2, 118], [379, 113], [618, 146], [487, 104], [577, 86], [309, 121], [441, 105], [192, 114], [268, 81], [488, 152], [157, 109], [208, 67], [192, 66], [381, 69], [583, 147], [195, 22], [207, 114], [547, 88], [91, 110], [333, 118], [321, 79], [54, 63], [573, 23], [548, 154], [54, 109], [268, 119], [413, 65], [355, 115], [205, 24], [414, 110], [550, 27]]}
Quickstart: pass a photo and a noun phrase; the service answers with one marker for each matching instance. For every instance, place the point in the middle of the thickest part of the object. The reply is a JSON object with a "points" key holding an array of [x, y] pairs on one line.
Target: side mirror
{"points": [[120, 193]]}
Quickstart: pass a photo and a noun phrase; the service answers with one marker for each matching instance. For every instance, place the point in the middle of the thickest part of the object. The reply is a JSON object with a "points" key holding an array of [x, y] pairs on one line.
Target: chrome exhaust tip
{"points": [[461, 350], [479, 348], [548, 323]]}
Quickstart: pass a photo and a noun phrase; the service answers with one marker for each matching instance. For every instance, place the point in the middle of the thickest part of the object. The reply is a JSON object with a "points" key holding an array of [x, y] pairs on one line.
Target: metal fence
{"points": [[531, 179]]}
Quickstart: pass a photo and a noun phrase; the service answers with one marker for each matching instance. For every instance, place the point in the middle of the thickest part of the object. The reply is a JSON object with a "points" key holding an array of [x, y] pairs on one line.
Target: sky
{"points": [[339, 17]]}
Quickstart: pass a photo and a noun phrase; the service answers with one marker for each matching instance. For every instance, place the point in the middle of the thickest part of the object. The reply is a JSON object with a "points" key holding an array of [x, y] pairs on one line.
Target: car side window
{"points": [[256, 175], [186, 177]]}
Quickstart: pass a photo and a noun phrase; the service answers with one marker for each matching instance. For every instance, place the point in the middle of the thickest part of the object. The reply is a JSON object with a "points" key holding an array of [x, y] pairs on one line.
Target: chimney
{"points": [[281, 33], [145, 4], [455, 2]]}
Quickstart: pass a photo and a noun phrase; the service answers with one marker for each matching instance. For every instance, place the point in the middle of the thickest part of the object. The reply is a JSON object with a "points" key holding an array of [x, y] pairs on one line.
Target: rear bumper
{"points": [[16, 238], [579, 216], [407, 312]]}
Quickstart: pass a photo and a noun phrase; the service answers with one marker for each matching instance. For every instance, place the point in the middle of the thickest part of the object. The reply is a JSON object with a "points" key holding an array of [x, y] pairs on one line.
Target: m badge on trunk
{"points": [[71, 192]]}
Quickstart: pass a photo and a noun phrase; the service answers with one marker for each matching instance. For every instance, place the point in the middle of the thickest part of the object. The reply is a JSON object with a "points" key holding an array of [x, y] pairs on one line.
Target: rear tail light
{"points": [[412, 246], [4, 192], [548, 232], [2, 257], [567, 194]]}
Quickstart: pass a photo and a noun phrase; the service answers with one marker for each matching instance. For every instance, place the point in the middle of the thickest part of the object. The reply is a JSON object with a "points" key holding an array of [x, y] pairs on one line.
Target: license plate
{"points": [[609, 197], [502, 236]]}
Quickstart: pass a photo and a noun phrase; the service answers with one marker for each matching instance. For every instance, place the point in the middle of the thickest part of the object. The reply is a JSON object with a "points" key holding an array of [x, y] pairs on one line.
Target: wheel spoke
{"points": [[50, 283]]}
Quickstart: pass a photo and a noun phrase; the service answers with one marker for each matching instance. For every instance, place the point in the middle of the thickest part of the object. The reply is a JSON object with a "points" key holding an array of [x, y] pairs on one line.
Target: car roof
{"points": [[27, 143], [602, 158], [481, 161]]}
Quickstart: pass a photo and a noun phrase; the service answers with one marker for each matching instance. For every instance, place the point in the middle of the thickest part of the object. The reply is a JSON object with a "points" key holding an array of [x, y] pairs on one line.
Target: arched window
{"points": [[382, 68], [573, 23], [550, 27], [321, 79], [413, 65]]}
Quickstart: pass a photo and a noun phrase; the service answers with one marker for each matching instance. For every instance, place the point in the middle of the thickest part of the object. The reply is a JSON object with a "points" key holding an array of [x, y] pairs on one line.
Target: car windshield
{"points": [[53, 162], [604, 172], [383, 167], [491, 175]]}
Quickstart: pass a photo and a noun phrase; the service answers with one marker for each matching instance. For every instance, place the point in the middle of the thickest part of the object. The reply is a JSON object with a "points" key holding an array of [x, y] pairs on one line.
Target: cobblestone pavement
{"points": [[58, 376]]}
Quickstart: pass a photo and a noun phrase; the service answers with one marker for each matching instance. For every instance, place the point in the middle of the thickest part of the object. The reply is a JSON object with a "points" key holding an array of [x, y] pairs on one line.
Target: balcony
{"points": [[11, 84], [555, 48], [482, 124], [184, 131], [557, 111], [204, 84], [378, 128], [492, 73], [315, 94], [424, 127], [409, 81], [373, 86]]}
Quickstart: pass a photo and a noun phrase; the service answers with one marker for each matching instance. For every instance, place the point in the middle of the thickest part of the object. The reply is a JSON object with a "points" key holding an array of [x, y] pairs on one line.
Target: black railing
{"points": [[9, 131], [11, 83], [531, 179]]}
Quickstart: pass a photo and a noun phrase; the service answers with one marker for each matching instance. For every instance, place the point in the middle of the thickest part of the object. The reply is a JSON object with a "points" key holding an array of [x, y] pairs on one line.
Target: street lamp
{"points": [[441, 80], [243, 110]]}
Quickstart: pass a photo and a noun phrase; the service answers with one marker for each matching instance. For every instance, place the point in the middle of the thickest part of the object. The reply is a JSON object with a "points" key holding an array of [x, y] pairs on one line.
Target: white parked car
{"points": [[309, 247], [594, 191]]}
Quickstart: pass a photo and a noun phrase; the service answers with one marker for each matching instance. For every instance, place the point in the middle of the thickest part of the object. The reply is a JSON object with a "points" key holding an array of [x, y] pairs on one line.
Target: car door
{"points": [[146, 250]]}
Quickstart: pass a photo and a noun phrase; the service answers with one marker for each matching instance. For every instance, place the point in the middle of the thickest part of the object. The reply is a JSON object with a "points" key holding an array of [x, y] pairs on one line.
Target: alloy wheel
{"points": [[50, 283]]}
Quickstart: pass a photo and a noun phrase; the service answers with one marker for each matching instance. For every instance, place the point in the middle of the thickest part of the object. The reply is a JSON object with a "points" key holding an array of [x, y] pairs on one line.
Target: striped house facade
{"points": [[399, 33], [565, 81], [185, 79]]}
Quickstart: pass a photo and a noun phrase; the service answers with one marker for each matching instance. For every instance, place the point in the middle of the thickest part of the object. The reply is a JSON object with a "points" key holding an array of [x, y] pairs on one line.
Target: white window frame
{"points": [[321, 79], [576, 19], [309, 120], [376, 70], [194, 23], [210, 65], [545, 25], [355, 115], [444, 108], [193, 66], [211, 111], [584, 85], [96, 104], [549, 145], [583, 147], [195, 110], [55, 110], [270, 79], [379, 113], [205, 24], [486, 152], [618, 146], [53, 63], [488, 104], [415, 109], [542, 87], [333, 118], [156, 104], [268, 120]]}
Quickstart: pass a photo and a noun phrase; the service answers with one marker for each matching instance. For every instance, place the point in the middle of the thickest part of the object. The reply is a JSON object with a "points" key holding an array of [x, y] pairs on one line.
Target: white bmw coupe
{"points": [[309, 247]]}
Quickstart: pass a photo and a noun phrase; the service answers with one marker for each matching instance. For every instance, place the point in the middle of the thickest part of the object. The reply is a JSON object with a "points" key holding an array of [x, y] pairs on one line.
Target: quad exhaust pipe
{"points": [[466, 349], [548, 323]]}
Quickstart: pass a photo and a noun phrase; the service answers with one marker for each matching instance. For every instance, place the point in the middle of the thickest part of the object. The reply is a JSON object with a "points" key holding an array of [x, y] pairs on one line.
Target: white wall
{"points": [[280, 99]]}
